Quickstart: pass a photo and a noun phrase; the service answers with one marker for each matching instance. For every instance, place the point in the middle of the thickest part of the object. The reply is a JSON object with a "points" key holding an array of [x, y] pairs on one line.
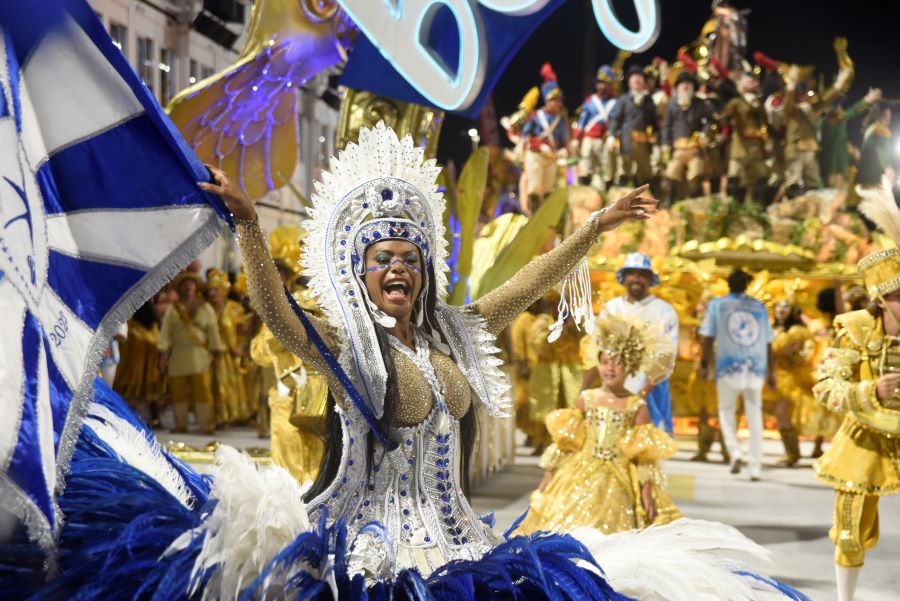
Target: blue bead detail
{"points": [[359, 516], [409, 461], [371, 487], [455, 541], [387, 194], [465, 540], [343, 480], [441, 487], [406, 512], [446, 510], [365, 205], [321, 505], [365, 239], [440, 475], [350, 462], [334, 495], [343, 243], [409, 441], [346, 228], [449, 521], [406, 526], [402, 493], [427, 539], [351, 292], [366, 503], [404, 477]]}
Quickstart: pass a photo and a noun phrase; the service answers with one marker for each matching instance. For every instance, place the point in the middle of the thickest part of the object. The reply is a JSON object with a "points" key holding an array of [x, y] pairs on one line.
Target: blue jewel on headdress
{"points": [[418, 238], [365, 239], [365, 205], [375, 235], [346, 228], [387, 194], [343, 243], [407, 202], [356, 258]]}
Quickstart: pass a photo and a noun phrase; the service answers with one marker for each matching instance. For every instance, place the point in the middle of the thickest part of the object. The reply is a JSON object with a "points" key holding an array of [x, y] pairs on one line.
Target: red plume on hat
{"points": [[547, 72], [720, 69], [689, 64], [769, 64], [550, 88]]}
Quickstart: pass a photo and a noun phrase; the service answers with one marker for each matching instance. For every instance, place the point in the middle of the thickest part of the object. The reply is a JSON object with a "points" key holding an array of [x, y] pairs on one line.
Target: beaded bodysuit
{"points": [[407, 509]]}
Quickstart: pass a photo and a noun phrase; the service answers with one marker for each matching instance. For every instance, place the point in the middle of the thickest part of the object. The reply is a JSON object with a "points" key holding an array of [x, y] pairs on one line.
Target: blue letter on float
{"points": [[401, 36]]}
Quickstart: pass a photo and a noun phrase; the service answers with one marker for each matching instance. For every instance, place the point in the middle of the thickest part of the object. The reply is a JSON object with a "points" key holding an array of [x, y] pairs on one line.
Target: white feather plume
{"points": [[258, 512], [685, 560], [878, 204], [133, 447]]}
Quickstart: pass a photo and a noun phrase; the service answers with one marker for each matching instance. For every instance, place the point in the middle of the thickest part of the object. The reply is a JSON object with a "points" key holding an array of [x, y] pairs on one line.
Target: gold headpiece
{"points": [[285, 243], [216, 278], [240, 282], [643, 348], [881, 270]]}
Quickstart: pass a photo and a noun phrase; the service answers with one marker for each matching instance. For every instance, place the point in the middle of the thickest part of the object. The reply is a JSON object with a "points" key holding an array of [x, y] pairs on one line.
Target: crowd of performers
{"points": [[702, 125], [596, 407]]}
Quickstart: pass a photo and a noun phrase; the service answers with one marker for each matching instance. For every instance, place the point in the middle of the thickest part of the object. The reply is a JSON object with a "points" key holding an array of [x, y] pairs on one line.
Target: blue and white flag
{"points": [[99, 207]]}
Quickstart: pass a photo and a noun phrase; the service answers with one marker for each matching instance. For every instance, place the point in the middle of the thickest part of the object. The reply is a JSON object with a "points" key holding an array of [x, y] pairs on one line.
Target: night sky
{"points": [[799, 31]]}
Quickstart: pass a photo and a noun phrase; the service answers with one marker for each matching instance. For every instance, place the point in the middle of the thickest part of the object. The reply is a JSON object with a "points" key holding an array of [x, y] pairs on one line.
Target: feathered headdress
{"points": [[376, 189], [881, 270], [644, 348]]}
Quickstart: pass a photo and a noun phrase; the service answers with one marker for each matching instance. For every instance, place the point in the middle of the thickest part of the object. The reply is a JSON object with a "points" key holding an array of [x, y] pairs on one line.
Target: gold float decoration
{"points": [[364, 109]]}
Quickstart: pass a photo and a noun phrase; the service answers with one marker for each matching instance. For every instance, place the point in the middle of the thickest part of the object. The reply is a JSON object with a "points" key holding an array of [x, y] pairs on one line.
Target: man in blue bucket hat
{"points": [[638, 277]]}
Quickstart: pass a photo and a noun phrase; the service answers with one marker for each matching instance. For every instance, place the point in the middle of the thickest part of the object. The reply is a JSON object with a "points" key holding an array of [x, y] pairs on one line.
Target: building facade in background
{"points": [[172, 44]]}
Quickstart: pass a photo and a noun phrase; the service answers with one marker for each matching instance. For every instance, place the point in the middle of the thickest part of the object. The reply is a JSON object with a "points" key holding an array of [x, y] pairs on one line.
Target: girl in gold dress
{"points": [[601, 467]]}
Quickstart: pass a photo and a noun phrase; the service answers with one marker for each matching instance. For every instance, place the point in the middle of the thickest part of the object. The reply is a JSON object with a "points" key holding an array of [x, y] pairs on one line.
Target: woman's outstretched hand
{"points": [[234, 198], [631, 207]]}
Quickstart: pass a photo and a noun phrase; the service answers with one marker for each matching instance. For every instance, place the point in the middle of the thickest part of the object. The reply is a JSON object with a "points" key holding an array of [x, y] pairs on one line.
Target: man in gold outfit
{"points": [[299, 397], [860, 376]]}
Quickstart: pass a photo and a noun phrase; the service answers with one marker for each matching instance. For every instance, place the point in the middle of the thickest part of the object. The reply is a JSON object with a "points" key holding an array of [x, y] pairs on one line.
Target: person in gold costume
{"points": [[188, 345], [791, 350], [297, 400], [601, 467], [860, 377], [137, 377], [555, 379], [229, 393], [523, 361]]}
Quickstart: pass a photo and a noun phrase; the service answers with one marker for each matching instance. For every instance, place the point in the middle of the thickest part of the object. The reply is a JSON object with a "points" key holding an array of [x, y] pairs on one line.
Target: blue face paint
{"points": [[394, 262]]}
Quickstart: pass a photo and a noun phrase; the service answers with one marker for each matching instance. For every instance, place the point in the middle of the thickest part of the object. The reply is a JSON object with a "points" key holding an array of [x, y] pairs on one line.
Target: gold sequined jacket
{"points": [[865, 452]]}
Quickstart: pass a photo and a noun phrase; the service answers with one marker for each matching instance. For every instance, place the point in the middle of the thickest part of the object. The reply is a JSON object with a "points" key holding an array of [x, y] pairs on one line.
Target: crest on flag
{"points": [[99, 208]]}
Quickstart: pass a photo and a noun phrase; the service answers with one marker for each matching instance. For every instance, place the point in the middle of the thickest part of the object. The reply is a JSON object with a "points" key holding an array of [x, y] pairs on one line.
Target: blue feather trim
{"points": [[787, 590], [119, 522]]}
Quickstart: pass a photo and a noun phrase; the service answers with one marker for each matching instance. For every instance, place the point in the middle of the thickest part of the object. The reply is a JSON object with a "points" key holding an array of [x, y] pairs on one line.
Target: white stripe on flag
{"points": [[131, 238], [74, 91], [12, 308], [45, 422], [69, 337]]}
